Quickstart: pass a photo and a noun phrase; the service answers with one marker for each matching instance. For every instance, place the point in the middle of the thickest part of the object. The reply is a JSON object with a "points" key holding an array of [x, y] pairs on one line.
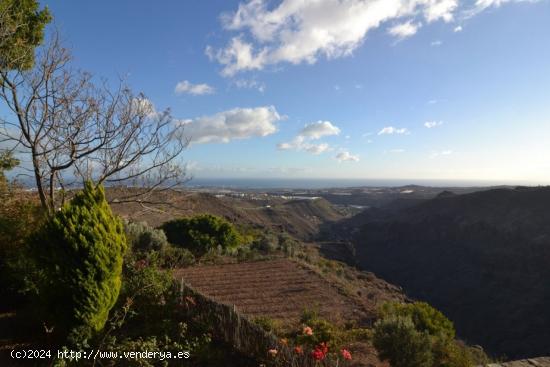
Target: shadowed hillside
{"points": [[482, 258]]}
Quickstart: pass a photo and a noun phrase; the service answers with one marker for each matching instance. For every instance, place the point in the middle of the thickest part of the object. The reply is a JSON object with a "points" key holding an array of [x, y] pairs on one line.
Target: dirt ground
{"points": [[282, 289]]}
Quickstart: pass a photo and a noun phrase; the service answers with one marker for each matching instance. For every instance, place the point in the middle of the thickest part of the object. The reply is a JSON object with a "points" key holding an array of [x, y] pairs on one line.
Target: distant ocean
{"points": [[282, 183]]}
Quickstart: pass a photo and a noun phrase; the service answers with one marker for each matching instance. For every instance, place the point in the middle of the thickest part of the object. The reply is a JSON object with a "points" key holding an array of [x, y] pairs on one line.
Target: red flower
{"points": [[318, 354], [320, 351], [299, 350], [346, 354]]}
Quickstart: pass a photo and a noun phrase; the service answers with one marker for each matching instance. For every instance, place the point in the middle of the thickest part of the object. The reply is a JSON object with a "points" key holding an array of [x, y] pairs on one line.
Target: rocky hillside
{"points": [[300, 218], [482, 258]]}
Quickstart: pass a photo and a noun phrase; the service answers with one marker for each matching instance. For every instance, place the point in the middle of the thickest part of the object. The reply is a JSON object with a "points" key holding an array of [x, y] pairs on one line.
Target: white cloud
{"points": [[319, 129], [250, 84], [186, 87], [313, 131], [481, 5], [404, 30], [238, 123], [457, 29], [436, 43], [347, 156], [317, 148], [144, 107], [432, 124], [302, 144], [297, 31], [238, 56], [440, 9], [390, 130]]}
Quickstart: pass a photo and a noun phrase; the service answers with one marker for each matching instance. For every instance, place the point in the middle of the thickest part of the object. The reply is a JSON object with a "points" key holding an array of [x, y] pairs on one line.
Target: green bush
{"points": [[80, 249], [19, 216], [202, 233], [150, 244], [142, 237], [175, 257], [266, 242], [268, 324], [148, 317], [425, 318], [397, 340], [418, 332]]}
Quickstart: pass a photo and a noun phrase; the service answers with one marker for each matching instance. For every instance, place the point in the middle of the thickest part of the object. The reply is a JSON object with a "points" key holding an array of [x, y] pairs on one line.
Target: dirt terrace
{"points": [[280, 289]]}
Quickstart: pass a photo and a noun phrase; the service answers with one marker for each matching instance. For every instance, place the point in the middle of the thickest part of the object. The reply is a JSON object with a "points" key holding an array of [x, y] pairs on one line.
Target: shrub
{"points": [[418, 329], [148, 317], [142, 237], [425, 318], [202, 233], [19, 216], [150, 244], [268, 324], [266, 242], [397, 340], [175, 257], [148, 286], [80, 249]]}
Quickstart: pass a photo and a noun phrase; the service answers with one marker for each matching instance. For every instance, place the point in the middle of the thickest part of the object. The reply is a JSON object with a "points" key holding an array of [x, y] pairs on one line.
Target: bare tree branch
{"points": [[72, 127]]}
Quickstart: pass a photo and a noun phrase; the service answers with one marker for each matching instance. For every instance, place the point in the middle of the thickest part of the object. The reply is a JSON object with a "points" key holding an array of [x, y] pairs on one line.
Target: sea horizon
{"points": [[322, 183]]}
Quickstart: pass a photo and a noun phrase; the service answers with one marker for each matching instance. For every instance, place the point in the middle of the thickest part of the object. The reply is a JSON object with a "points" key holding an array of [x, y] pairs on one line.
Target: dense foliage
{"points": [[80, 250], [151, 246], [417, 335], [397, 340], [425, 317], [142, 237], [22, 29], [202, 233], [19, 215]]}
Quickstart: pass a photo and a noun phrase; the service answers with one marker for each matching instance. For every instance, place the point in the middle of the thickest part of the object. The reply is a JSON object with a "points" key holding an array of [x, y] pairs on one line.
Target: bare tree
{"points": [[73, 129]]}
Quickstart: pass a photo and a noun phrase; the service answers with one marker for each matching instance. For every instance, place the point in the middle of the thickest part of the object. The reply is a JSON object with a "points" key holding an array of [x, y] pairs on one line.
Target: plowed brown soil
{"points": [[281, 289]]}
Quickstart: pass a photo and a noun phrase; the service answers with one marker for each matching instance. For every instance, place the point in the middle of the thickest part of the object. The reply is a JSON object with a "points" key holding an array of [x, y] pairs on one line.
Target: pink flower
{"points": [[298, 349], [308, 331], [346, 354], [272, 352]]}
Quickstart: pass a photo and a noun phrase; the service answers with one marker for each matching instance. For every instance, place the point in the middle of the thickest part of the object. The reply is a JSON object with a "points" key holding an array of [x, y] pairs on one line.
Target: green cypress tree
{"points": [[81, 250]]}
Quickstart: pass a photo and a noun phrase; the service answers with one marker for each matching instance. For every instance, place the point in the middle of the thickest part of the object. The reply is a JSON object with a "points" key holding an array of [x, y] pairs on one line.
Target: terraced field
{"points": [[280, 289]]}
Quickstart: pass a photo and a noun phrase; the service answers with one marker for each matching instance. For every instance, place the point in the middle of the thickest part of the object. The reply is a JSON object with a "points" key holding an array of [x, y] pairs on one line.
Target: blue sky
{"points": [[408, 89]]}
